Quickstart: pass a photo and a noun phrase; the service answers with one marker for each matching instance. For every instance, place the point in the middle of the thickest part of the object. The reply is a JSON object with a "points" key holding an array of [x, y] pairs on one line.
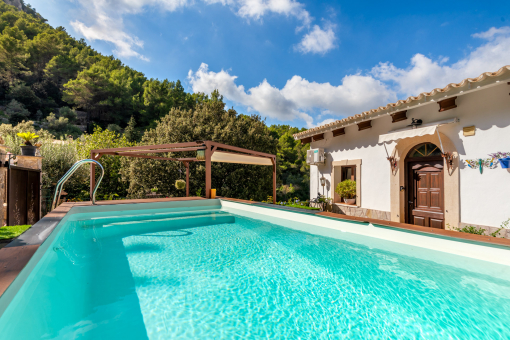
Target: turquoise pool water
{"points": [[211, 274]]}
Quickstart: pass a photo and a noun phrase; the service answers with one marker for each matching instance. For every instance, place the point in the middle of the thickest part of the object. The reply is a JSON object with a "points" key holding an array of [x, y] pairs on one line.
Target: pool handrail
{"points": [[63, 180]]}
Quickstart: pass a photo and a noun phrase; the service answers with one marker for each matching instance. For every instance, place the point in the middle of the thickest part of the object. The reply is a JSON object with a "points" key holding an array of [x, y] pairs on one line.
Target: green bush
{"points": [[472, 230], [68, 113], [61, 127], [115, 128], [346, 189], [16, 112], [209, 121]]}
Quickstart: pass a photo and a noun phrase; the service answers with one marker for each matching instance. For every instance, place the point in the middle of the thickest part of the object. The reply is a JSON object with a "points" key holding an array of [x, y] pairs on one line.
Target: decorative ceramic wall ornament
{"points": [[448, 157], [489, 163], [393, 164]]}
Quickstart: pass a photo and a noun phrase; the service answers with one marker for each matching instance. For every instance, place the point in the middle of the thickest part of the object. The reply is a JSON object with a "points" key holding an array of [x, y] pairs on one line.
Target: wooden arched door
{"points": [[425, 186]]}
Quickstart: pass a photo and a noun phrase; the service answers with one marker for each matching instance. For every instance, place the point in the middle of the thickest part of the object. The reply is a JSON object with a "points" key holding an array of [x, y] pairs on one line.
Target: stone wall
{"points": [[360, 212], [30, 162], [504, 233]]}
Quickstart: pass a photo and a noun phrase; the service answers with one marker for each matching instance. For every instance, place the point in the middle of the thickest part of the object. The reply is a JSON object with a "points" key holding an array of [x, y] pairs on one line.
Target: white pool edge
{"points": [[459, 247]]}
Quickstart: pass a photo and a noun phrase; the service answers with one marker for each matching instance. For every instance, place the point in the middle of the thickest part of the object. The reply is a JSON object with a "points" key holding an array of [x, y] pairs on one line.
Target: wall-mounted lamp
{"points": [[323, 183]]}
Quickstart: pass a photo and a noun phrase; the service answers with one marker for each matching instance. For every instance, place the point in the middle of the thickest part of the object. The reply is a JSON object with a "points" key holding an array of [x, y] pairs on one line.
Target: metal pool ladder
{"points": [[63, 180]]}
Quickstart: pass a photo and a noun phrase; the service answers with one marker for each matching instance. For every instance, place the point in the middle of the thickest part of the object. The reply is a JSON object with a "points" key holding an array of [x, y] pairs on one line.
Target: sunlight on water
{"points": [[219, 276]]}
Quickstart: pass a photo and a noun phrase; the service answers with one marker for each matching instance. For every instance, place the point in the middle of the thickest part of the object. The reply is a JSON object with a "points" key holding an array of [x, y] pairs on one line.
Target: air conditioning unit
{"points": [[315, 156]]}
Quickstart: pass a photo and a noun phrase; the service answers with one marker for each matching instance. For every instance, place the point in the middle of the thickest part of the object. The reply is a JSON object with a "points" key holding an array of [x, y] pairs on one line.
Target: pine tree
{"points": [[131, 133]]}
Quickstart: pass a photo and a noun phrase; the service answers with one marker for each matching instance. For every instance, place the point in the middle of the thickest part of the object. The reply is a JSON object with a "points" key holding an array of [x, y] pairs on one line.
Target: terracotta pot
{"points": [[350, 201], [28, 150]]}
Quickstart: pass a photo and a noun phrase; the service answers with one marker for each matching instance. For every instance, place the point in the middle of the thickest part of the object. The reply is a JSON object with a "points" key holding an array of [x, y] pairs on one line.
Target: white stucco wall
{"points": [[485, 198]]}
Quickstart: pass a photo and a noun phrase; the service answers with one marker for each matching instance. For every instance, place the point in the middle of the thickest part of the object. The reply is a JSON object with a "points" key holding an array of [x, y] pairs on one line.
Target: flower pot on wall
{"points": [[28, 150], [505, 162], [350, 201]]}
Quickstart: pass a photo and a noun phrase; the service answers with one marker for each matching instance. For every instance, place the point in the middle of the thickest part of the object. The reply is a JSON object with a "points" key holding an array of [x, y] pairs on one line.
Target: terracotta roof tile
{"points": [[409, 100]]}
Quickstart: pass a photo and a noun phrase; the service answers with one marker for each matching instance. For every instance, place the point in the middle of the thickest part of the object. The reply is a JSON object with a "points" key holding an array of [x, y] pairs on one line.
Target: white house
{"points": [[419, 174]]}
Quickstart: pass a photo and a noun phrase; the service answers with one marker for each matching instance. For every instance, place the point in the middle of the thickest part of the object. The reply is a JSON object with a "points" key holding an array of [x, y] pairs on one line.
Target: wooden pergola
{"points": [[212, 152]]}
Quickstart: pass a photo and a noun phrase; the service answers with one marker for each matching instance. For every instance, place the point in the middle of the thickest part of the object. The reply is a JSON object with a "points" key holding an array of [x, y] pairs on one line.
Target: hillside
{"points": [[66, 87], [43, 69]]}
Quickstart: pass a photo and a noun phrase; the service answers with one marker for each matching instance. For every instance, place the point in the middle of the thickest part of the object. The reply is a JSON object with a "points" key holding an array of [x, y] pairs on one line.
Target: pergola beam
{"points": [[235, 148], [209, 147], [164, 150], [149, 147]]}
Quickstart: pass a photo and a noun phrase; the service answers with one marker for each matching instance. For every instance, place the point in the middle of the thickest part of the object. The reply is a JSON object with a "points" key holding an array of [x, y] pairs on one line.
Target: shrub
{"points": [[25, 95], [472, 230], [58, 157], [104, 139], [208, 121], [9, 133], [61, 127], [68, 113], [115, 128], [346, 189], [131, 133], [16, 112]]}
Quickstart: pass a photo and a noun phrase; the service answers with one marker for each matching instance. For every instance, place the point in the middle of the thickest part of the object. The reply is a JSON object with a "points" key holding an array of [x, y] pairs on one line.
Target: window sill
{"points": [[347, 205]]}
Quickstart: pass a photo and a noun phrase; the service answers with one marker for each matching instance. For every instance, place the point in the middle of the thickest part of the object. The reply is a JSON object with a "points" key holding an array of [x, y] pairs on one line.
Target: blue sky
{"points": [[302, 63]]}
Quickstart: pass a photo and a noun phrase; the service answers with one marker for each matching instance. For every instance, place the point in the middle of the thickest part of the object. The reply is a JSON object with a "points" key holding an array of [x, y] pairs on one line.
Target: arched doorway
{"points": [[425, 186]]}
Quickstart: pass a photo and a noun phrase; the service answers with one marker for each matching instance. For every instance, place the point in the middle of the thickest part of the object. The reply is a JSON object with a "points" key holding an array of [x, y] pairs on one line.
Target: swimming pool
{"points": [[225, 270]]}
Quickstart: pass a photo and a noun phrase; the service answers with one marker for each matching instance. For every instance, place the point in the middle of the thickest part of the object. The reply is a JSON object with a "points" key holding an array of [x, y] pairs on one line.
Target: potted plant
{"points": [[347, 190], [28, 149], [503, 157], [154, 190], [180, 184]]}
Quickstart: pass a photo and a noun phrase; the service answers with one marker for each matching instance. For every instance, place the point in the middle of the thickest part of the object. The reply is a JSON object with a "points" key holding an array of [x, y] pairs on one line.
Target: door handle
{"points": [[410, 202]]}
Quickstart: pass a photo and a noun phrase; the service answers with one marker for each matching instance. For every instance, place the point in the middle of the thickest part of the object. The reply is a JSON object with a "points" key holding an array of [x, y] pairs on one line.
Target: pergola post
{"points": [[92, 175], [274, 179], [208, 154], [186, 164], [225, 154]]}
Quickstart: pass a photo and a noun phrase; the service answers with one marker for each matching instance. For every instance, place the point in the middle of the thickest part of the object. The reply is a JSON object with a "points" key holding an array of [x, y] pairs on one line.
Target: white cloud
{"points": [[256, 9], [304, 99], [264, 98], [108, 29], [105, 22], [318, 40], [324, 122], [105, 17], [299, 98], [492, 33], [425, 74]]}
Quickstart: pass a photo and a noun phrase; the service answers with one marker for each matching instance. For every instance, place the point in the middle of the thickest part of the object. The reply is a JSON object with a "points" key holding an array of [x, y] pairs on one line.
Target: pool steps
{"points": [[97, 221], [176, 222]]}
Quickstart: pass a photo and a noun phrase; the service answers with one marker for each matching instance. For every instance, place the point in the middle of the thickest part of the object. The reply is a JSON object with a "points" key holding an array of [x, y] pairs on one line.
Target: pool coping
{"points": [[443, 233]]}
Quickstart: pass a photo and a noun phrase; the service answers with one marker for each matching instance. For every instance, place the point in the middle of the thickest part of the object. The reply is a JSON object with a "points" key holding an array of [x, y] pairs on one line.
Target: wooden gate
{"points": [[24, 196]]}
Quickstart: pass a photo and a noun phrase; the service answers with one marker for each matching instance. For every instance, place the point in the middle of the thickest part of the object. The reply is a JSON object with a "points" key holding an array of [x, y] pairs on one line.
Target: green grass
{"points": [[300, 206], [9, 232]]}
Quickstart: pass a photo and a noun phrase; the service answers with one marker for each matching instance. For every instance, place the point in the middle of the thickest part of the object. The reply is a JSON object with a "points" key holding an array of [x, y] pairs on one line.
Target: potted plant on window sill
{"points": [[347, 190], [28, 149]]}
